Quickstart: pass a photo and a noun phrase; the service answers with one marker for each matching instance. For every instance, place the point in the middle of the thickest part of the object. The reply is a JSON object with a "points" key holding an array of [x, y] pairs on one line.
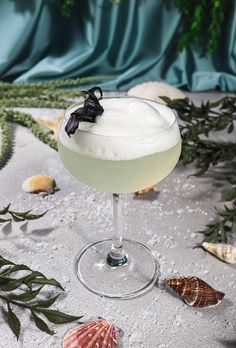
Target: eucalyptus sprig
{"points": [[17, 216], [25, 292]]}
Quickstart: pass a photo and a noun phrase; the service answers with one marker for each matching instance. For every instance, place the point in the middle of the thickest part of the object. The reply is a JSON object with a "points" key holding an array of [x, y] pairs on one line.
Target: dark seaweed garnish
{"points": [[87, 113]]}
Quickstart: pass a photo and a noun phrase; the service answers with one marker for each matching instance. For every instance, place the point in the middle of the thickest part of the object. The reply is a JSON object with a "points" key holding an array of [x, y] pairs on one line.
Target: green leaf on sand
{"points": [[13, 322], [58, 317]]}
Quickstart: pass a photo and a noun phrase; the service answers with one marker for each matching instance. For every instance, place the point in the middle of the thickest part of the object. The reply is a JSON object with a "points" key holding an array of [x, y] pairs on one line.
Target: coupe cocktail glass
{"points": [[117, 267]]}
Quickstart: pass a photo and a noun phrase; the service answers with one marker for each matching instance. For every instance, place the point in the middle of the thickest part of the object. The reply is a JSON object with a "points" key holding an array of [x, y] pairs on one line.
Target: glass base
{"points": [[128, 280]]}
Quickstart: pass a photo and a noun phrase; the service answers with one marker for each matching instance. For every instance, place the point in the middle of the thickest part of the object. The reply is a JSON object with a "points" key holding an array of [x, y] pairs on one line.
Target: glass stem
{"points": [[117, 256]]}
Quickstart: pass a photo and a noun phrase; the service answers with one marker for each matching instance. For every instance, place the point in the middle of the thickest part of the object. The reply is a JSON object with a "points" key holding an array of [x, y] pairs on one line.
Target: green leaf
{"points": [[4, 262], [23, 214], [230, 128], [26, 296], [41, 325], [13, 322], [4, 220], [45, 281], [5, 210], [58, 317], [231, 195], [26, 215], [4, 281], [11, 284], [34, 275], [201, 171], [15, 269], [46, 303], [223, 233], [35, 216], [212, 238], [234, 227], [16, 218]]}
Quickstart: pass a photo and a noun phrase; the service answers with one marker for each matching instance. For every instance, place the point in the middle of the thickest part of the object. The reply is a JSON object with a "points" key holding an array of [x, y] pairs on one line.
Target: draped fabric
{"points": [[132, 42]]}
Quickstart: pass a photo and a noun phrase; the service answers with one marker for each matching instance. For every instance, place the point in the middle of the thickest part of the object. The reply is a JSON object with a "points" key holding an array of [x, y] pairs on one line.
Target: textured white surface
{"points": [[167, 221]]}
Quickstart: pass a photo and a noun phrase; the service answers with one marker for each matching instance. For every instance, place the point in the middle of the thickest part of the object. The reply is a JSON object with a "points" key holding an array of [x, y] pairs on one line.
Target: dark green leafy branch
{"points": [[203, 22], [226, 222], [199, 123], [217, 232], [25, 292], [17, 216]]}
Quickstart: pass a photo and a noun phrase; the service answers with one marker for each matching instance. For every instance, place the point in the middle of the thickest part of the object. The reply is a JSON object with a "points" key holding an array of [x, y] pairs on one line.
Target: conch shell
{"points": [[95, 334], [154, 90], [195, 292], [224, 252], [39, 183]]}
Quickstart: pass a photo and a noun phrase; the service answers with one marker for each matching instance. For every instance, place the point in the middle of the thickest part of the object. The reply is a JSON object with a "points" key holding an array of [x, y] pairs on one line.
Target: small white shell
{"points": [[224, 252], [39, 183], [153, 90]]}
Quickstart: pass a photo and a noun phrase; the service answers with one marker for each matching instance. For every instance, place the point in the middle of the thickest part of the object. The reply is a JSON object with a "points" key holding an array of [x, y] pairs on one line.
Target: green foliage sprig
{"points": [[17, 216], [6, 141], [66, 6], [198, 124], [23, 291], [226, 221], [203, 22]]}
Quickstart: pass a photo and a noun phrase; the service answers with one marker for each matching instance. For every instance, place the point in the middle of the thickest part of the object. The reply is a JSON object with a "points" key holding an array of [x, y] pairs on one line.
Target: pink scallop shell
{"points": [[95, 334]]}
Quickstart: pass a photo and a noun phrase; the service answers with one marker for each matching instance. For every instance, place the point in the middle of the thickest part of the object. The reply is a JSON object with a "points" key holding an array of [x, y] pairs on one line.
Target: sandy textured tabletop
{"points": [[167, 221]]}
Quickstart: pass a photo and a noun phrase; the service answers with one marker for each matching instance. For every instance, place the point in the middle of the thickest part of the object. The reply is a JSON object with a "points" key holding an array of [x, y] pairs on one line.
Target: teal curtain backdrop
{"points": [[134, 41]]}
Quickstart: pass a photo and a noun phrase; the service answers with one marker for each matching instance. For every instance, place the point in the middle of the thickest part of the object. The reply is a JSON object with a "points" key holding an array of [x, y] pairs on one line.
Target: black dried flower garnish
{"points": [[87, 113]]}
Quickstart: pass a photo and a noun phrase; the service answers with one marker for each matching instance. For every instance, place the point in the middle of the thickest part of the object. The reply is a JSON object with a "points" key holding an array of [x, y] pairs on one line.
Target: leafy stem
{"points": [[28, 285], [198, 125], [18, 216]]}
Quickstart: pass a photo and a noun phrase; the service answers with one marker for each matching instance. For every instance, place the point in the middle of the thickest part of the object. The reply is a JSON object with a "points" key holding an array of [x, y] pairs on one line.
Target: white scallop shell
{"points": [[154, 90], [39, 183], [224, 252]]}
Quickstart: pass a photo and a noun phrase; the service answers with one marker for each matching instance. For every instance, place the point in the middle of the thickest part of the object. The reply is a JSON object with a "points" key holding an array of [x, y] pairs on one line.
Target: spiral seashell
{"points": [[195, 292], [154, 90], [224, 252], [95, 334], [39, 183]]}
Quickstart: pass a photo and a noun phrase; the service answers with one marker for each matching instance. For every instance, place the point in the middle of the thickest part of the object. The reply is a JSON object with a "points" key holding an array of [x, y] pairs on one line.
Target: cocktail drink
{"points": [[133, 144]]}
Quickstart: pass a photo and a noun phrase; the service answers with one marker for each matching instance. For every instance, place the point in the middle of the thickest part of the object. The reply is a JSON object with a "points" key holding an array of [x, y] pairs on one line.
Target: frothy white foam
{"points": [[129, 128]]}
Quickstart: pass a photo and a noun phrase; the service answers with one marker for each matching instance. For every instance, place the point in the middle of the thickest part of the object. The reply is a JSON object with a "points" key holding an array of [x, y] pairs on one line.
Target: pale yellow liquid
{"points": [[120, 176]]}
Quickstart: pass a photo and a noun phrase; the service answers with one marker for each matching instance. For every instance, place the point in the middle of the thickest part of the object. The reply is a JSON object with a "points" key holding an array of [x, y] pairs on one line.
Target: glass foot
{"points": [[131, 279]]}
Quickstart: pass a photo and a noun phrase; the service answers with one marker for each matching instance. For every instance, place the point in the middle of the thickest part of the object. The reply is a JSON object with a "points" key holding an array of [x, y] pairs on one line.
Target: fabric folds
{"points": [[132, 42]]}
